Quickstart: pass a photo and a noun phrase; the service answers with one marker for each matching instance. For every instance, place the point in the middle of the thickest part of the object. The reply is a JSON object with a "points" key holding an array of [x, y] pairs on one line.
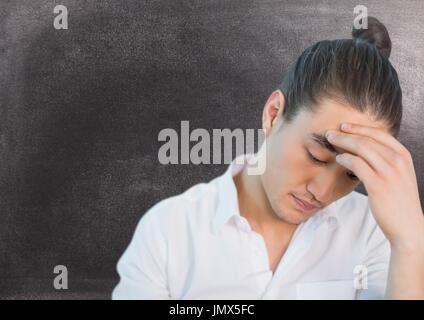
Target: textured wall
{"points": [[81, 110]]}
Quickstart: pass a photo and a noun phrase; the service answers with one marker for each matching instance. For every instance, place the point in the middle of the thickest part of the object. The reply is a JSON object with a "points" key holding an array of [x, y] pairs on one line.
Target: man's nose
{"points": [[323, 186]]}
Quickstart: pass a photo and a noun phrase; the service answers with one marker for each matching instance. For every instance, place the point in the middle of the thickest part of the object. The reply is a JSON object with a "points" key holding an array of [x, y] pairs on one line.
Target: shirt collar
{"points": [[330, 215], [228, 199], [227, 193]]}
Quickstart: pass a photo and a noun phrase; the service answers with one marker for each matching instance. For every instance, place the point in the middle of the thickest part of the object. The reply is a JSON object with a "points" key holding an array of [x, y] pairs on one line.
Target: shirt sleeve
{"points": [[376, 263], [142, 267]]}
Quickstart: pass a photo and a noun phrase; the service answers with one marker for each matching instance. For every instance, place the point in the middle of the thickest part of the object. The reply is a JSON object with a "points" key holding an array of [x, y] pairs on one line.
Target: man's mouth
{"points": [[303, 205]]}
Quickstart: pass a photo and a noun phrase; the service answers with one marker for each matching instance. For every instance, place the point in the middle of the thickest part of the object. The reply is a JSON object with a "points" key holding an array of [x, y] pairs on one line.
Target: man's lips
{"points": [[303, 204]]}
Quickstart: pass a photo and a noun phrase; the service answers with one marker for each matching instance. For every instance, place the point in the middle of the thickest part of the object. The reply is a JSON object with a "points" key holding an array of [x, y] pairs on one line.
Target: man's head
{"points": [[331, 82]]}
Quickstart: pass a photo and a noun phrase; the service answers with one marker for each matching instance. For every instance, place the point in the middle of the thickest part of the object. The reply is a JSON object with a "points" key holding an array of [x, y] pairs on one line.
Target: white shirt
{"points": [[196, 245]]}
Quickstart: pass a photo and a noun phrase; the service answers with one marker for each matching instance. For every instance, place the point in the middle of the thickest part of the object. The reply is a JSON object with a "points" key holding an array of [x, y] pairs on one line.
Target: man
{"points": [[298, 230]]}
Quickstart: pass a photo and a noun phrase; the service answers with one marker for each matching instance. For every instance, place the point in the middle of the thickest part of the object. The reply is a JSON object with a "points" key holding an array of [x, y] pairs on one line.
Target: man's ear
{"points": [[273, 111]]}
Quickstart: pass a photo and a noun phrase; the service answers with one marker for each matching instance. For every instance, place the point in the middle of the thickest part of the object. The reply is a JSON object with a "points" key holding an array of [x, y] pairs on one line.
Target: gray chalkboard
{"points": [[81, 110]]}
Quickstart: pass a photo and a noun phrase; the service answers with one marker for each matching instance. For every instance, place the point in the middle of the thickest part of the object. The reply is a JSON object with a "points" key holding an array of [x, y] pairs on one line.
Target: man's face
{"points": [[301, 165]]}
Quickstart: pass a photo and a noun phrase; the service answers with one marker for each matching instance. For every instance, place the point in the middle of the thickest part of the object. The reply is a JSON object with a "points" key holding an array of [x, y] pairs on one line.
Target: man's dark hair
{"points": [[356, 71]]}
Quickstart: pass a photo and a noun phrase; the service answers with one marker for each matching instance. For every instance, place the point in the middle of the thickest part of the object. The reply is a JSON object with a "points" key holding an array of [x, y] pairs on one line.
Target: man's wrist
{"points": [[411, 243]]}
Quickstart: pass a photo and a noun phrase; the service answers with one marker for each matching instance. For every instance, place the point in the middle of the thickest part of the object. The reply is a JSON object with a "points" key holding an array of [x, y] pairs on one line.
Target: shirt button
{"points": [[244, 225], [332, 222]]}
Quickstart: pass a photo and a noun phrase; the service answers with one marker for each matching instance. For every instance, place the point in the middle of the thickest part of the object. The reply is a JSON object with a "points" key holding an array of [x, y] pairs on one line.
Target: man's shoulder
{"points": [[196, 202], [354, 201], [355, 213], [354, 209]]}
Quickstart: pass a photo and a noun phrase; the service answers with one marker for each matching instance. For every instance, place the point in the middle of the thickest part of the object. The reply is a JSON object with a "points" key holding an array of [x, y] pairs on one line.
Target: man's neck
{"points": [[253, 202]]}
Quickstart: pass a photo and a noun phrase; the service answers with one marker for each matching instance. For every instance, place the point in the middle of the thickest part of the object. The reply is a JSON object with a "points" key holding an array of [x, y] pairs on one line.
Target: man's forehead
{"points": [[322, 141]]}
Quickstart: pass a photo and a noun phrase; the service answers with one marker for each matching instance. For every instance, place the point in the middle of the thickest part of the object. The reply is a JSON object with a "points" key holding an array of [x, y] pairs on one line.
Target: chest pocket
{"points": [[326, 290]]}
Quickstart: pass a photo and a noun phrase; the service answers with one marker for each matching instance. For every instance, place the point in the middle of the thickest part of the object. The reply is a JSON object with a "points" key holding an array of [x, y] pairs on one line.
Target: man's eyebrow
{"points": [[323, 142]]}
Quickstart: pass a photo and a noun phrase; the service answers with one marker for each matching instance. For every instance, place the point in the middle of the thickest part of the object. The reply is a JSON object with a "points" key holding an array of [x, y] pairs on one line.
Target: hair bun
{"points": [[376, 34]]}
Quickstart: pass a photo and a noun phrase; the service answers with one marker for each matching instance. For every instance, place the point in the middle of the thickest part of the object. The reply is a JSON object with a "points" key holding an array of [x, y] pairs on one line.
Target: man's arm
{"points": [[376, 262], [406, 272], [142, 267], [387, 170]]}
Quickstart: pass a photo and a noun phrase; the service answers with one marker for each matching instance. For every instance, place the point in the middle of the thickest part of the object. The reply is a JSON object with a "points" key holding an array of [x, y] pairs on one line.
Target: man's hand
{"points": [[386, 169]]}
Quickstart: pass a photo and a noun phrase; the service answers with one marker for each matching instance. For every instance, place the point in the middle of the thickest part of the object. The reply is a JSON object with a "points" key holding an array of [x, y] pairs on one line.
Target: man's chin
{"points": [[294, 216]]}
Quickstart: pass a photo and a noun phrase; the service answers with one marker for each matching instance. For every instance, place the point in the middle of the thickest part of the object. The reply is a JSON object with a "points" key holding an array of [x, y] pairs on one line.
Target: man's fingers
{"points": [[377, 155], [376, 133], [359, 167]]}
